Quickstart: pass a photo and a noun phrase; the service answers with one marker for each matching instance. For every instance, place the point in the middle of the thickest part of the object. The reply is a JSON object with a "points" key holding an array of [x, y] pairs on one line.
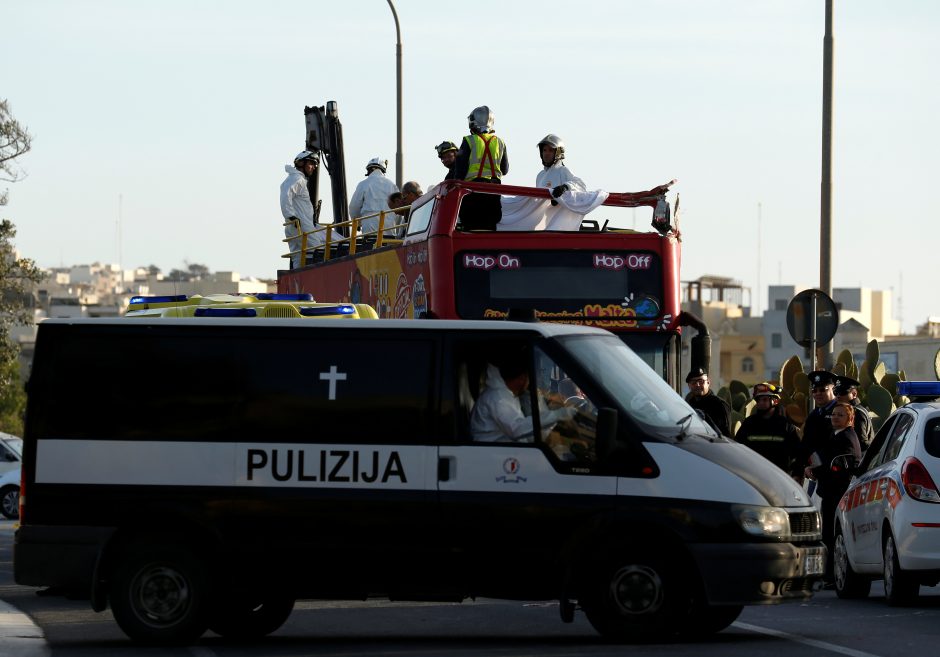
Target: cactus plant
{"points": [[880, 401]]}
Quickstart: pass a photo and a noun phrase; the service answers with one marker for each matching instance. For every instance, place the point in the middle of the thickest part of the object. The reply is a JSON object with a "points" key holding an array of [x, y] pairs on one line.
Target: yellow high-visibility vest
{"points": [[484, 156]]}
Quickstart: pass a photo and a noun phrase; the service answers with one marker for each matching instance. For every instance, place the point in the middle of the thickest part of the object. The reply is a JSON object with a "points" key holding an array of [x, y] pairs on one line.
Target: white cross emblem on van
{"points": [[332, 376]]}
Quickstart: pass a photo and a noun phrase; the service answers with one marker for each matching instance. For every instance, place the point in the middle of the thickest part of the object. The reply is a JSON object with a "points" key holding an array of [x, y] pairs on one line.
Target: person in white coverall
{"points": [[555, 173], [497, 414], [371, 196], [295, 204]]}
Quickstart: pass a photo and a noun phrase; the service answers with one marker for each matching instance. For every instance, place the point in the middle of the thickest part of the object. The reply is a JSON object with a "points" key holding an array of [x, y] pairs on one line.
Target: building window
{"points": [[747, 364], [776, 341]]}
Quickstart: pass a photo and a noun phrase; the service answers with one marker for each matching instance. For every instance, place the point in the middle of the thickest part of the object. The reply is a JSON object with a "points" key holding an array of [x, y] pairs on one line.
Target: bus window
{"points": [[420, 218]]}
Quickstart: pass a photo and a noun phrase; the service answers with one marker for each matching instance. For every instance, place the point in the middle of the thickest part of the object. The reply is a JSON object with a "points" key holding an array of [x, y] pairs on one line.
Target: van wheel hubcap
{"points": [[636, 590]]}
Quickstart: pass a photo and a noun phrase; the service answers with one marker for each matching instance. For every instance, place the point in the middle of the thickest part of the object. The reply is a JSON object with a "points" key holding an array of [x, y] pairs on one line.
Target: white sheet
{"points": [[527, 213]]}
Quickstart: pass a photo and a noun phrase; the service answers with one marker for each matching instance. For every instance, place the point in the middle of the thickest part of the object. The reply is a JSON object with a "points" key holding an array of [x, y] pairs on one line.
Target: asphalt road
{"points": [[824, 626]]}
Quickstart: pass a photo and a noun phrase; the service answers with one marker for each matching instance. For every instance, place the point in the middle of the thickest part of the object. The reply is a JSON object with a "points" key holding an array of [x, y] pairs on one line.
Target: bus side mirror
{"points": [[606, 432]]}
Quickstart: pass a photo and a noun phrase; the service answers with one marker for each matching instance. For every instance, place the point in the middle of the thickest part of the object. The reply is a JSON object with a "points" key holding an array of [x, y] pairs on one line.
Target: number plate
{"points": [[814, 564]]}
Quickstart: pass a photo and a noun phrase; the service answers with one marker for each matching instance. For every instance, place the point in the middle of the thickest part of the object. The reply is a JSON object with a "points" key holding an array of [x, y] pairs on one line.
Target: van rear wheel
{"points": [[251, 616], [160, 595], [637, 598]]}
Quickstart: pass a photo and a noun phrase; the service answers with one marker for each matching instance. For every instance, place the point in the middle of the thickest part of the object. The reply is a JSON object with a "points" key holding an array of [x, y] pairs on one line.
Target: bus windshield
{"points": [[639, 390]]}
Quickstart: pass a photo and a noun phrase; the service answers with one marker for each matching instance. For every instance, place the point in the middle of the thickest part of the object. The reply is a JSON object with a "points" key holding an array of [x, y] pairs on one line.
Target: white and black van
{"points": [[205, 474]]}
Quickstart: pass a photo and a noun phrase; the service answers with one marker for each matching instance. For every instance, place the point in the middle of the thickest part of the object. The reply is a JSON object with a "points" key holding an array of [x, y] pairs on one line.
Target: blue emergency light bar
{"points": [[225, 312], [316, 311], [919, 388], [164, 299], [268, 296]]}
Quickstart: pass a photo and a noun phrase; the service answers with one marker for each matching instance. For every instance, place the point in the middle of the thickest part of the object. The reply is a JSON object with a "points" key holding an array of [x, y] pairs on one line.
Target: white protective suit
{"points": [[559, 174], [528, 213], [295, 202], [497, 415], [371, 196]]}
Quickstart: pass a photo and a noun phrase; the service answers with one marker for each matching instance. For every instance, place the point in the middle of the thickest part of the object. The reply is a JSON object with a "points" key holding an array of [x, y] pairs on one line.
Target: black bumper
{"points": [[757, 573], [63, 557]]}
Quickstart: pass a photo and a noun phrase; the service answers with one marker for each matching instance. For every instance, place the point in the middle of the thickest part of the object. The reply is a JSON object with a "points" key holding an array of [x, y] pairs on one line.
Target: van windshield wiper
{"points": [[684, 425]]}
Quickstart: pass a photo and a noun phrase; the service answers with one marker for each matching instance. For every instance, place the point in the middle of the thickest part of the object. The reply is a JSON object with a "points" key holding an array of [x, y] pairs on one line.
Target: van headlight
{"points": [[763, 521]]}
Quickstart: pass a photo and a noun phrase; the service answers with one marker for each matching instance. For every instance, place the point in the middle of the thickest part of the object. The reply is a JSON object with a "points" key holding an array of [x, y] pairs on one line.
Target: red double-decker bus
{"points": [[601, 275]]}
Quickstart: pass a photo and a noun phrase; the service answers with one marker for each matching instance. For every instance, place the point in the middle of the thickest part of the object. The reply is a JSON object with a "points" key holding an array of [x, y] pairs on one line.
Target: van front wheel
{"points": [[638, 598], [160, 595]]}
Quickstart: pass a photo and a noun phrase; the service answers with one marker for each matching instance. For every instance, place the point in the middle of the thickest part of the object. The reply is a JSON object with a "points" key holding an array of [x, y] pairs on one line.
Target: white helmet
{"points": [[481, 120], [555, 142], [376, 163], [307, 155]]}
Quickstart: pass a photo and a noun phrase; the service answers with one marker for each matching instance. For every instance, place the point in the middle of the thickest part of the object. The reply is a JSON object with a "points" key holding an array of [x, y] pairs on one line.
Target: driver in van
{"points": [[497, 414]]}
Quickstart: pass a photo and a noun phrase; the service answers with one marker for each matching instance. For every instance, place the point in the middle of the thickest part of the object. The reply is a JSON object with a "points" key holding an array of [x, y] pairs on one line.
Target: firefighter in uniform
{"points": [[846, 390], [447, 153], [701, 398], [297, 208], [554, 171], [769, 432], [482, 157]]}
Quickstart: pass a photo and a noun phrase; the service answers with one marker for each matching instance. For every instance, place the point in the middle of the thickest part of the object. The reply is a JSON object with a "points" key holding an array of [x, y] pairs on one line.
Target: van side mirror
{"points": [[606, 432]]}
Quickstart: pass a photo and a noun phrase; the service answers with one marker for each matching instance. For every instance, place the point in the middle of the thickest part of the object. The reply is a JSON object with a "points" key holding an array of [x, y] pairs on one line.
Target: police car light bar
{"points": [[225, 312], [316, 311], [919, 388]]}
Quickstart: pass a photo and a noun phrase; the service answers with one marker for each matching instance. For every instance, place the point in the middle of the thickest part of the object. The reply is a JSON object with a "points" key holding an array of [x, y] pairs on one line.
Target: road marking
{"points": [[842, 650], [19, 636]]}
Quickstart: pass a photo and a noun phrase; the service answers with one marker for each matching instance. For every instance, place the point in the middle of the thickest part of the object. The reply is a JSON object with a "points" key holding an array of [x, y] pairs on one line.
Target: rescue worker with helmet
{"points": [[769, 432], [481, 157], [296, 206], [371, 196], [555, 173], [447, 153]]}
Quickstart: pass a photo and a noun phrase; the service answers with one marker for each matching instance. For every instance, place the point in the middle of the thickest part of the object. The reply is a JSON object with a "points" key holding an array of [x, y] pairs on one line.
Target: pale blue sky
{"points": [[188, 111]]}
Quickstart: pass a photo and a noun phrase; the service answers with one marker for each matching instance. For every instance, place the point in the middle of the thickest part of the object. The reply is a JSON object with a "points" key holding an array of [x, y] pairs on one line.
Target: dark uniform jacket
{"points": [[863, 425], [833, 484], [715, 408], [816, 430], [775, 438]]}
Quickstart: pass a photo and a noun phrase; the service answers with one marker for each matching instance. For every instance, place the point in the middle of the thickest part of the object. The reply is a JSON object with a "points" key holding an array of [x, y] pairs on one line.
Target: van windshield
{"points": [[636, 387]]}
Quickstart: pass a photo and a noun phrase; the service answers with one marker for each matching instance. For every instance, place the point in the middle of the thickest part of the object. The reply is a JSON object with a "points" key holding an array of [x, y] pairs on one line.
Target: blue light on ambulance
{"points": [[316, 311], [225, 312], [268, 296], [162, 299]]}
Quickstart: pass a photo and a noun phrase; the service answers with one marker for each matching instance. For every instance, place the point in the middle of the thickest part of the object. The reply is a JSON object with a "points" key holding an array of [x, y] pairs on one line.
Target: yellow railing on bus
{"points": [[353, 226]]}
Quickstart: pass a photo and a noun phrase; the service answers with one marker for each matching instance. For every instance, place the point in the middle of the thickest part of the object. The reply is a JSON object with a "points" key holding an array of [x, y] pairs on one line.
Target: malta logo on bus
{"points": [[500, 260], [511, 467], [617, 261]]}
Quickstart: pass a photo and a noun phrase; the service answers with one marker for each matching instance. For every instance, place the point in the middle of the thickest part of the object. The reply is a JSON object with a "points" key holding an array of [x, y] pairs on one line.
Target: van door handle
{"points": [[445, 468]]}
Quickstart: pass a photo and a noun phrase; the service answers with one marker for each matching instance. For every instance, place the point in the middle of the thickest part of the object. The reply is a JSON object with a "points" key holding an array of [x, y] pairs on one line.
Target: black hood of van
{"points": [[774, 484]]}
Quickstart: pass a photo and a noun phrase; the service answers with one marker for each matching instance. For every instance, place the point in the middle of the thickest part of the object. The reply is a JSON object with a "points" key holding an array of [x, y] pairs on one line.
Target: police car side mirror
{"points": [[606, 432]]}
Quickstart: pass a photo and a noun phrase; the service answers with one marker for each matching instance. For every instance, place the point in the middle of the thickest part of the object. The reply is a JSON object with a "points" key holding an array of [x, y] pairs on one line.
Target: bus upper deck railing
{"points": [[346, 243]]}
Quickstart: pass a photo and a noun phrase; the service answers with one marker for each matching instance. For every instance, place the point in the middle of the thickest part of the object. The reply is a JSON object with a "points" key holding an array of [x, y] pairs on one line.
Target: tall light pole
{"points": [[399, 158], [825, 195]]}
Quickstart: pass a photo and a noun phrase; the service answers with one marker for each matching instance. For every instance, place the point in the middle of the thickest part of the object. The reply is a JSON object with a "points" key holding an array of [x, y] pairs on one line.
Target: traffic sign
{"points": [[804, 308]]}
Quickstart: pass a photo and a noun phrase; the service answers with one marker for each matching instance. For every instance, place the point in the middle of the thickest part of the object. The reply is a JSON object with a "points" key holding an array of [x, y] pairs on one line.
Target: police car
{"points": [[888, 522]]}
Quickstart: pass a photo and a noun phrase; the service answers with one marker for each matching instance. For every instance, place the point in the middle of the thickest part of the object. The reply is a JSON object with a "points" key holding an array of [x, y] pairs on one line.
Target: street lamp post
{"points": [[825, 196], [399, 157]]}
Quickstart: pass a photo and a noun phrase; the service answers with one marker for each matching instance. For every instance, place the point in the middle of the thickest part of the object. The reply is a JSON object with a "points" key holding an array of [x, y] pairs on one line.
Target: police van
{"points": [[198, 475]]}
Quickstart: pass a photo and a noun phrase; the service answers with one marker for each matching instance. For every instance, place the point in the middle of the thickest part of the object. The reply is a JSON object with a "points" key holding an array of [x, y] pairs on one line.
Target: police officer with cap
{"points": [[846, 390], [818, 427], [701, 398]]}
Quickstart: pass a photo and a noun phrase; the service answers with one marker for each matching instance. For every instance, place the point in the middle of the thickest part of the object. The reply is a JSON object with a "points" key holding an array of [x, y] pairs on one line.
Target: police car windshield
{"points": [[645, 397]]}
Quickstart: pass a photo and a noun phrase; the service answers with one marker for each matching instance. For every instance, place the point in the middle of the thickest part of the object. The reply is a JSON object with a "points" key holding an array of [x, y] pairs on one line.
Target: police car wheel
{"points": [[638, 598], [900, 587], [247, 617], [849, 584], [160, 595], [10, 502]]}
